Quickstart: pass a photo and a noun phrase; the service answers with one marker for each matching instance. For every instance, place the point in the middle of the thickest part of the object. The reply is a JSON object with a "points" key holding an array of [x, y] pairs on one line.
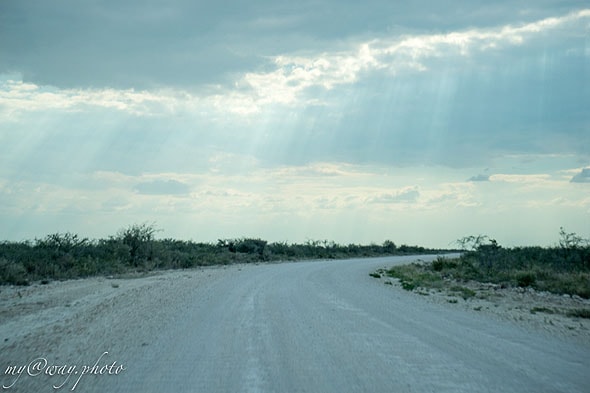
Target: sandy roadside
{"points": [[75, 322], [541, 311]]}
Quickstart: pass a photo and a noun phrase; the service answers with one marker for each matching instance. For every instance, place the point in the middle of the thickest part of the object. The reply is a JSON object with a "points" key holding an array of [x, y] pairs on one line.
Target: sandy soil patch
{"points": [[74, 322], [542, 311]]}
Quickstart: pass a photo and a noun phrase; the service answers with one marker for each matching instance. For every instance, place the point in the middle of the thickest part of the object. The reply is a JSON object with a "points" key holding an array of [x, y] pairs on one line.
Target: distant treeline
{"points": [[135, 249]]}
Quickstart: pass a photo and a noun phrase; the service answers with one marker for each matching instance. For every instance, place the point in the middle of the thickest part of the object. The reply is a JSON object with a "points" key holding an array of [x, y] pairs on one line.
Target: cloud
{"points": [[399, 97], [317, 169], [521, 178], [162, 187], [178, 43], [479, 178], [17, 96], [408, 195], [325, 200], [582, 177], [292, 75]]}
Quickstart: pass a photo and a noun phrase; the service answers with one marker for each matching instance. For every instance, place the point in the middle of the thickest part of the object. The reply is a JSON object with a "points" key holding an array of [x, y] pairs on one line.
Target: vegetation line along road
{"points": [[135, 249], [563, 269]]}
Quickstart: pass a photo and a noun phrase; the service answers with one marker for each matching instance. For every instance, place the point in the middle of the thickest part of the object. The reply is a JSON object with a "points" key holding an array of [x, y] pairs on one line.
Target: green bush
{"points": [[579, 313], [545, 310], [251, 246], [408, 285], [13, 273], [442, 263], [139, 240], [414, 276], [465, 293], [524, 280]]}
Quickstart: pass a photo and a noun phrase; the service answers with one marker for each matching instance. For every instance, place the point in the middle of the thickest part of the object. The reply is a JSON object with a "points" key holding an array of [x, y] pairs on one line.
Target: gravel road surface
{"points": [[292, 327]]}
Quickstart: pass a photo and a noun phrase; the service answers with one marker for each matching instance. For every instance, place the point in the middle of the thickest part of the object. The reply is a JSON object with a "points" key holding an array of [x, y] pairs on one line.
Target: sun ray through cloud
{"points": [[337, 130]]}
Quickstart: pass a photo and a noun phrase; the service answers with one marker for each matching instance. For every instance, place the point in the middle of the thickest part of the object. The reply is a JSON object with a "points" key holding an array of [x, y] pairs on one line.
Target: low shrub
{"points": [[579, 313], [442, 263], [13, 273], [545, 310], [408, 285], [525, 279], [465, 293]]}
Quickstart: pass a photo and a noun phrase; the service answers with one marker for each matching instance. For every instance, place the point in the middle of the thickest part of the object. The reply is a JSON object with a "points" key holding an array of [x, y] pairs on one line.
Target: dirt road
{"points": [[292, 327]]}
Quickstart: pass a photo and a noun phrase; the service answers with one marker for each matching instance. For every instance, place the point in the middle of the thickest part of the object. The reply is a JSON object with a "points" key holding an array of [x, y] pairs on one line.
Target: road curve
{"points": [[292, 327], [329, 327]]}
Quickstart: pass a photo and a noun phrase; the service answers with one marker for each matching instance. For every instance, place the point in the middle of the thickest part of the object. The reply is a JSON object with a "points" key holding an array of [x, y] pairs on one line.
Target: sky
{"points": [[419, 122]]}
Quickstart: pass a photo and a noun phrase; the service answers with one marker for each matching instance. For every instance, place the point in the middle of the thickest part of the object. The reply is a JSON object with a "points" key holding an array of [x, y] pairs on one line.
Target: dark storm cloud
{"points": [[458, 110], [143, 44], [582, 177]]}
